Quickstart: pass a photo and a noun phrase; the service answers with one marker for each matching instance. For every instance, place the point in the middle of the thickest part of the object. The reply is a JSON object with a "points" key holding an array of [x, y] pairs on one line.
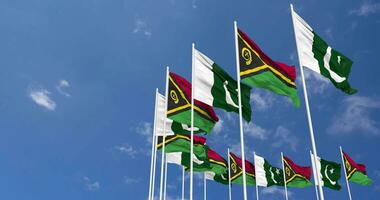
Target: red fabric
{"points": [[289, 71], [359, 167], [304, 171], [249, 167], [186, 88], [197, 139], [215, 156]]}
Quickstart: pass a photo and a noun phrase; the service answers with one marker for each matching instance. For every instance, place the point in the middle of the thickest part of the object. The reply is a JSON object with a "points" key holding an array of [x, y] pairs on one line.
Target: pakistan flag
{"points": [[266, 174], [315, 54], [329, 173], [215, 87]]}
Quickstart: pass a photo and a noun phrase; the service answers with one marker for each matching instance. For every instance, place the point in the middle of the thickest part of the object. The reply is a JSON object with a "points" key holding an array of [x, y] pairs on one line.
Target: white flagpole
{"points": [[166, 176], [314, 148], [164, 132], [283, 172], [183, 183], [229, 175], [257, 187], [204, 187], [315, 170], [154, 166], [192, 122], [345, 173], [240, 112], [151, 185]]}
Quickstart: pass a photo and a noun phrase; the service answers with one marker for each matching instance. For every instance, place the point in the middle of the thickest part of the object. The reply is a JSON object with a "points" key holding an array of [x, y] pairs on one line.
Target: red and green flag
{"points": [[236, 169], [355, 172], [259, 70], [216, 163], [296, 175], [179, 105]]}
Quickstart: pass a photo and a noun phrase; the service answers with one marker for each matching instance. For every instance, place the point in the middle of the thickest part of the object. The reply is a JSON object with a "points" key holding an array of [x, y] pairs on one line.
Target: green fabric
{"points": [[330, 174], [182, 145], [299, 182], [218, 91], [239, 180], [199, 121], [178, 128], [339, 63], [274, 175], [360, 178], [269, 81]]}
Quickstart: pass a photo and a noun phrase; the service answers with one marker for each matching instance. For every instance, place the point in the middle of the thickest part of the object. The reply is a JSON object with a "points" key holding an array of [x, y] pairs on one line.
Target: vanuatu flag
{"points": [[356, 173], [217, 164], [259, 70], [182, 143], [237, 170], [295, 175], [179, 105]]}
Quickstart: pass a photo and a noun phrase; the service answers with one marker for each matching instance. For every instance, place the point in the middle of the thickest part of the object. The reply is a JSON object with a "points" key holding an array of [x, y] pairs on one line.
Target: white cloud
{"points": [[127, 149], [366, 8], [146, 130], [356, 115], [275, 191], [284, 137], [142, 27], [91, 185], [316, 83], [41, 97], [130, 180], [329, 33], [262, 100], [62, 84], [255, 131], [194, 4], [218, 126]]}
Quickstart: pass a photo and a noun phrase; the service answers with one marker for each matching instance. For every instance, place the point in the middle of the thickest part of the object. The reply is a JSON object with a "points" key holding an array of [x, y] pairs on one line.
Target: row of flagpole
{"points": [[163, 174]]}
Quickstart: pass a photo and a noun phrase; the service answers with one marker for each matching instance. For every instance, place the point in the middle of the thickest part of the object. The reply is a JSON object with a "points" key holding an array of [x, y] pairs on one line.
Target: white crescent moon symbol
{"points": [[327, 176]]}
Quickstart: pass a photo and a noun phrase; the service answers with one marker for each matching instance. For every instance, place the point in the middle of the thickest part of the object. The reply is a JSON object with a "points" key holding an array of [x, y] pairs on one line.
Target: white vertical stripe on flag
{"points": [[261, 179], [204, 79], [317, 169], [305, 38]]}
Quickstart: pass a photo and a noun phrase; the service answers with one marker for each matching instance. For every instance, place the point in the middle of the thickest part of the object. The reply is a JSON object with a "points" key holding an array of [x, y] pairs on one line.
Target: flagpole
{"points": [[257, 187], [229, 175], [183, 183], [151, 185], [154, 166], [166, 175], [345, 173], [314, 148], [240, 113], [164, 136], [204, 187], [283, 173], [315, 170], [192, 121]]}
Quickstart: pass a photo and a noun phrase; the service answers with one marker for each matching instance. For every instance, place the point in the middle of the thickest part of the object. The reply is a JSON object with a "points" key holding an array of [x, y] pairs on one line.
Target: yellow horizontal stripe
{"points": [[264, 66], [217, 162]]}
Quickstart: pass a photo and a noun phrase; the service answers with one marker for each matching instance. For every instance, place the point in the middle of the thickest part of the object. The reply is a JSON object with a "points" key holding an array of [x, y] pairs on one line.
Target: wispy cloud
{"points": [[329, 33], [145, 129], [194, 4], [142, 28], [130, 180], [356, 115], [218, 126], [262, 100], [41, 97], [91, 185], [256, 131], [62, 84], [283, 136], [366, 8], [316, 83], [275, 191], [127, 149]]}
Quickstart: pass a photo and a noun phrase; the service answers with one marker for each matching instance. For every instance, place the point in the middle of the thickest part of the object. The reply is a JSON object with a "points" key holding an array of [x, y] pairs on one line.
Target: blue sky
{"points": [[78, 78]]}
